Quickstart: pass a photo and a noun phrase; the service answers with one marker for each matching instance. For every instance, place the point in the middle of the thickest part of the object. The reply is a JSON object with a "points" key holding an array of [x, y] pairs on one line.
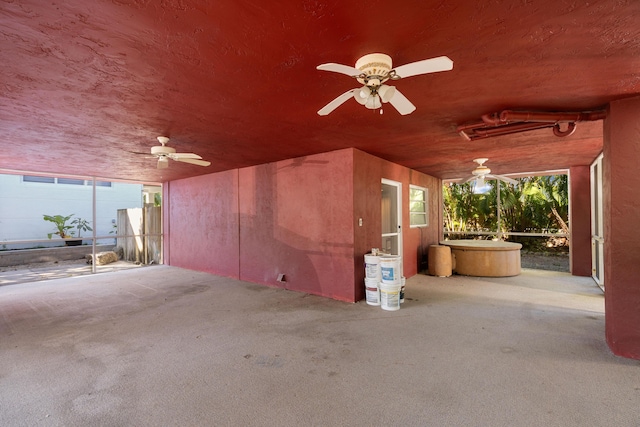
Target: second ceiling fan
{"points": [[373, 71], [164, 153], [481, 172]]}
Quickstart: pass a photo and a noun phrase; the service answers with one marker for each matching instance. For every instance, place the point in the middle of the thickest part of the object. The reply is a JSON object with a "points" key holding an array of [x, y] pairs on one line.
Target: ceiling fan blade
{"points": [[433, 65], [193, 161], [401, 103], [163, 163], [176, 156], [502, 178], [469, 179], [336, 102], [339, 68]]}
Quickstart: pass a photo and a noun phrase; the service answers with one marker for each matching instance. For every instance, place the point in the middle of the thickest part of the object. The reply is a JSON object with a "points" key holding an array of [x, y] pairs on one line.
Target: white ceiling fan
{"points": [[372, 71], [481, 172], [164, 153]]}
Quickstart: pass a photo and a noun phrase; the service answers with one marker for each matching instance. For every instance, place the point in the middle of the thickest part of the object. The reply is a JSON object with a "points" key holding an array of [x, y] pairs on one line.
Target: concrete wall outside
{"points": [[60, 253], [22, 205]]}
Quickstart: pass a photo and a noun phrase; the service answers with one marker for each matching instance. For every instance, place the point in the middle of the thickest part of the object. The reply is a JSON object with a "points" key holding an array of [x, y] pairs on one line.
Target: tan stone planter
{"points": [[485, 257]]}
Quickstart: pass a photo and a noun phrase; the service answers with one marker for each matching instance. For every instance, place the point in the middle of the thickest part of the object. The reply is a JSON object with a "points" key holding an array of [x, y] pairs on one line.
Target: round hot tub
{"points": [[486, 258]]}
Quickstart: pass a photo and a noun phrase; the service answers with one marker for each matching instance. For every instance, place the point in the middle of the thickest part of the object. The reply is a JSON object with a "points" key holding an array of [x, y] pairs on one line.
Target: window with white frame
{"points": [[41, 179], [68, 181], [418, 208]]}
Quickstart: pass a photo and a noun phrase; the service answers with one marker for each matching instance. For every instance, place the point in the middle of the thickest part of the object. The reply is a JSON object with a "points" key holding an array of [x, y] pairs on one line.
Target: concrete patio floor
{"points": [[168, 346]]}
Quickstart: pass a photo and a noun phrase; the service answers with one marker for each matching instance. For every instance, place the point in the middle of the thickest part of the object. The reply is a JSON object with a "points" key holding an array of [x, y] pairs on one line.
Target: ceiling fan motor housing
{"points": [[162, 150], [375, 67], [481, 170]]}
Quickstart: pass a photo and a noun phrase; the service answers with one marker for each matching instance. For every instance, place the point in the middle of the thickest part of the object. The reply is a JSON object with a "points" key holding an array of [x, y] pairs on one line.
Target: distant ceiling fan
{"points": [[373, 70], [164, 153], [481, 172]]}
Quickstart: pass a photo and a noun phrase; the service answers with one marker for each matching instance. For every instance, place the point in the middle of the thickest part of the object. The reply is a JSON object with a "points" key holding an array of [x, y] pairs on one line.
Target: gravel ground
{"points": [[545, 261]]}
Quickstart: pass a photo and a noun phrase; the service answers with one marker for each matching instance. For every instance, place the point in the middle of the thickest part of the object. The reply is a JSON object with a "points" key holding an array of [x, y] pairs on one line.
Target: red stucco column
{"points": [[621, 197], [580, 220]]}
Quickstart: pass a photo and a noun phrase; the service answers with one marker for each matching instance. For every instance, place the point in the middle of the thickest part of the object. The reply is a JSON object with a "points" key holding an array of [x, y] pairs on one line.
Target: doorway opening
{"points": [[391, 217], [62, 226], [597, 224]]}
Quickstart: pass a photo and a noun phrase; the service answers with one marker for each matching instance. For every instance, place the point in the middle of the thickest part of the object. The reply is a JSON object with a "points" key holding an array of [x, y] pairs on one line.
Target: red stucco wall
{"points": [[202, 227], [368, 174], [580, 220], [296, 217], [621, 232]]}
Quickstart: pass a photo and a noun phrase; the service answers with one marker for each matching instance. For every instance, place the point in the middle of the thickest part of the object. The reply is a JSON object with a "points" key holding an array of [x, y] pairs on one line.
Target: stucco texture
{"points": [[298, 218], [202, 223], [621, 207]]}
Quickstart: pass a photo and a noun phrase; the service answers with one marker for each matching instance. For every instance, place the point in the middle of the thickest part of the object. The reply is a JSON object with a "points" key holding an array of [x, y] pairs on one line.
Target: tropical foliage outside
{"points": [[538, 204]]}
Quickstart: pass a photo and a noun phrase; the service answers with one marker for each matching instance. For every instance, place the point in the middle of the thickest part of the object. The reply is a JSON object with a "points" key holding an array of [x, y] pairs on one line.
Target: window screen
{"points": [[418, 206]]}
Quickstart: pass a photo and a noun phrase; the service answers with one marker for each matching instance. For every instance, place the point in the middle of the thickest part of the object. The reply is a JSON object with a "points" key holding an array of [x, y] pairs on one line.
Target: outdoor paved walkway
{"points": [[45, 271]]}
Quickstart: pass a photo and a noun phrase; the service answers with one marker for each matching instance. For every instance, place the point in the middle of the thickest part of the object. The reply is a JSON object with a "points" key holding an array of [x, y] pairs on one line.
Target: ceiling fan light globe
{"points": [[377, 102], [373, 102], [361, 101], [163, 162], [386, 93], [364, 92]]}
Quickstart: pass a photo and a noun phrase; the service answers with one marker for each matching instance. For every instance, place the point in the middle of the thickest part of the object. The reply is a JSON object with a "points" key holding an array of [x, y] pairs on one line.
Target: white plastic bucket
{"points": [[390, 297], [372, 266], [390, 270], [403, 282], [372, 291]]}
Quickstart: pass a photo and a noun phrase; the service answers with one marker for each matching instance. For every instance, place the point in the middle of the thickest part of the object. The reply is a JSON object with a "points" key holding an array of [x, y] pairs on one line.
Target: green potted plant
{"points": [[60, 222], [64, 227], [81, 225]]}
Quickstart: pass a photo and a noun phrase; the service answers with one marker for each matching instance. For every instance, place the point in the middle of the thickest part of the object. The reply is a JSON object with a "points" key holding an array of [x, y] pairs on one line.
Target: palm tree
{"points": [[535, 204]]}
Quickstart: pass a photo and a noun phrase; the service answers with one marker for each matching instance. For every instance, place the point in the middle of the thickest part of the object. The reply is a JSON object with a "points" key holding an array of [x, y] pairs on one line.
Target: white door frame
{"points": [[398, 233], [597, 223]]}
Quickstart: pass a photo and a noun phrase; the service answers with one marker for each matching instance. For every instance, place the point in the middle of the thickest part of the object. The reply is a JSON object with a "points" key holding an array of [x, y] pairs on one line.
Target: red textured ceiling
{"points": [[86, 84]]}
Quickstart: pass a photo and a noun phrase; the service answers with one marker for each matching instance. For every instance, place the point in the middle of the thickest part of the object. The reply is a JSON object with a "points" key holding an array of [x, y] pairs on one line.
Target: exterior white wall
{"points": [[22, 205]]}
